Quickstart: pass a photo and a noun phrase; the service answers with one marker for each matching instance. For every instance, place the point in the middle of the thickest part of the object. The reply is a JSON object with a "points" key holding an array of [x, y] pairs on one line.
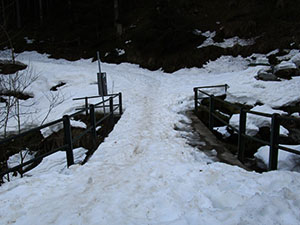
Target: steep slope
{"points": [[158, 34]]}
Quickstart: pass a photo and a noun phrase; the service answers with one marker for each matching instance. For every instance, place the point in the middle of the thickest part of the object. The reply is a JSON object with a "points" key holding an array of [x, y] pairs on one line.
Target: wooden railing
{"points": [[276, 120], [89, 109]]}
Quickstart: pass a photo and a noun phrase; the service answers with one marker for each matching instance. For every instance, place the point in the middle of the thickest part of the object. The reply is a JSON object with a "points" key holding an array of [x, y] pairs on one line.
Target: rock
{"points": [[9, 67], [286, 70], [296, 60], [266, 75], [272, 59]]}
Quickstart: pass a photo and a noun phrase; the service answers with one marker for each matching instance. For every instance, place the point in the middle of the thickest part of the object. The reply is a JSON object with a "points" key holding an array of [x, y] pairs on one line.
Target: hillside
{"points": [[158, 34]]}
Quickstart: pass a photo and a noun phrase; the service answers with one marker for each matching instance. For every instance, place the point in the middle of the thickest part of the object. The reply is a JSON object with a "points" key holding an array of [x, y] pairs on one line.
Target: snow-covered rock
{"points": [[296, 60], [266, 76], [286, 70]]}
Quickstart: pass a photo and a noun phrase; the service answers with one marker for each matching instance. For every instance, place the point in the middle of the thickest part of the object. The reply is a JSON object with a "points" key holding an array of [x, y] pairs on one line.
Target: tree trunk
{"points": [[71, 11], [41, 12], [18, 14], [3, 14], [118, 25]]}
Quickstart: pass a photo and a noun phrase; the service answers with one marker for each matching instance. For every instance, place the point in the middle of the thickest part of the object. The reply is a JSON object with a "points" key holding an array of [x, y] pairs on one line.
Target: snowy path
{"points": [[145, 173]]}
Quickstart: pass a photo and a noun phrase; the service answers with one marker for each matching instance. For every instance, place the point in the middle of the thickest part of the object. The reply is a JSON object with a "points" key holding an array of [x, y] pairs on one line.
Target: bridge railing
{"points": [[276, 121], [89, 109]]}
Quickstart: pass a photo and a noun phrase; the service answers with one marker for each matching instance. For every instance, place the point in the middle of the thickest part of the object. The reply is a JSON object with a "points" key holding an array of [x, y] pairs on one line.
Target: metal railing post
{"points": [[111, 110], [241, 138], [93, 124], [273, 155], [196, 99], [68, 140], [86, 106], [120, 104], [211, 110], [226, 87]]}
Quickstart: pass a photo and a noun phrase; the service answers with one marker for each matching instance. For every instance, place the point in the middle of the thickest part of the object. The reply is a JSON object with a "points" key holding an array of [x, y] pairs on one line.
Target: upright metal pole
{"points": [[111, 109], [100, 85], [211, 111], [86, 106], [196, 99], [93, 125], [120, 104], [242, 131], [99, 63], [273, 157], [68, 140]]}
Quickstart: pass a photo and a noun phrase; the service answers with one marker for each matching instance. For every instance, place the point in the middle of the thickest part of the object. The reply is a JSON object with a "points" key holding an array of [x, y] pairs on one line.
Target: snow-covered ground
{"points": [[226, 43], [144, 172]]}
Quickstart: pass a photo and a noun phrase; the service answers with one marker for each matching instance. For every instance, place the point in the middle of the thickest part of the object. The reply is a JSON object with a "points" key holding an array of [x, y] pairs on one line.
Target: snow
{"points": [[120, 51], [285, 65], [286, 161], [15, 160], [283, 131], [289, 54], [260, 59], [254, 122], [223, 130], [144, 172], [227, 43], [296, 60], [47, 131], [55, 163], [29, 41]]}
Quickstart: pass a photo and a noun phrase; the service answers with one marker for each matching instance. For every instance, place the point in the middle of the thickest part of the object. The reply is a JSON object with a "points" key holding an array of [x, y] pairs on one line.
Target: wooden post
{"points": [[68, 140], [196, 99], [273, 154], [211, 111], [226, 87], [120, 104], [93, 124], [111, 110], [241, 138], [86, 106]]}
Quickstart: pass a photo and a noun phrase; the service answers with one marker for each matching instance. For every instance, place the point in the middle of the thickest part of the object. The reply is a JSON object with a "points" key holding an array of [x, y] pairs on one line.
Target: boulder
{"points": [[286, 70], [265, 76], [296, 60]]}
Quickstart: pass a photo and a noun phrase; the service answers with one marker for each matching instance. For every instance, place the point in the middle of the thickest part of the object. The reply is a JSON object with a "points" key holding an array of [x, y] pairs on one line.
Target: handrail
{"points": [[214, 86], [95, 96], [228, 103], [16, 168], [102, 103], [30, 131], [275, 124], [69, 140], [260, 113]]}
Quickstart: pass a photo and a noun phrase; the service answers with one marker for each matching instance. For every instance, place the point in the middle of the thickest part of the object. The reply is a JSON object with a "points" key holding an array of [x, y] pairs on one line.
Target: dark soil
{"points": [[17, 94], [10, 67], [155, 34]]}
